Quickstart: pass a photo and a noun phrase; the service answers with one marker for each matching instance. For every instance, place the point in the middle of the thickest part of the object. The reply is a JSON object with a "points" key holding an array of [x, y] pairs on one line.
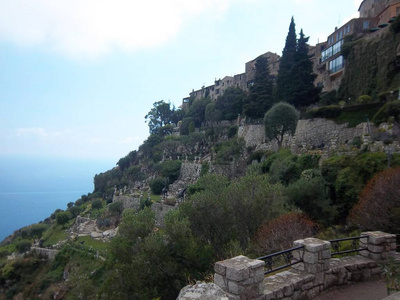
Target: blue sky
{"points": [[77, 77]]}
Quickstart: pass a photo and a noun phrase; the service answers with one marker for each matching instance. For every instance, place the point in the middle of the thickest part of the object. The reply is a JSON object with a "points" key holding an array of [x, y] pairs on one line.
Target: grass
{"points": [[355, 117], [90, 242], [56, 233]]}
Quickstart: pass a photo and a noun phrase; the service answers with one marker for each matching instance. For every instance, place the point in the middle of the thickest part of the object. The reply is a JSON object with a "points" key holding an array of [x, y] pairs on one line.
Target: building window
{"points": [[365, 24], [336, 64], [331, 51]]}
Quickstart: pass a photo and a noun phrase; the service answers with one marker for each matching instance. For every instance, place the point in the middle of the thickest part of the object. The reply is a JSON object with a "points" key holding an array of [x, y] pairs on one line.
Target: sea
{"points": [[31, 189]]}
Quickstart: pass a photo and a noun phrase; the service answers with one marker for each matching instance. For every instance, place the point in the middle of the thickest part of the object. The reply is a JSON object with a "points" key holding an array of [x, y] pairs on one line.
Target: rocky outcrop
{"points": [[203, 291]]}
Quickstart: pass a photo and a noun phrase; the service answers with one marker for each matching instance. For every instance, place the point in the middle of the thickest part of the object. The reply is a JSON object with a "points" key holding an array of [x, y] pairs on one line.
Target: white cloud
{"points": [[40, 132], [94, 27]]}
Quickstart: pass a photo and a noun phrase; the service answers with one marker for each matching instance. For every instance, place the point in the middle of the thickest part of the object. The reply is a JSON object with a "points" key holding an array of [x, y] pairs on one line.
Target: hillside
{"points": [[213, 181]]}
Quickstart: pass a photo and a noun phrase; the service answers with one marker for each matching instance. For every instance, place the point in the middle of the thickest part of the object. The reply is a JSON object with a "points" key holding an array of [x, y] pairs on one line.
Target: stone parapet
{"points": [[379, 245], [240, 277]]}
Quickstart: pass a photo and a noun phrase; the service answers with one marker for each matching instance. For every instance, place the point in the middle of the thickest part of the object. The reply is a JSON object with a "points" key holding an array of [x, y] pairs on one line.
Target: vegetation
{"points": [[279, 197], [281, 119], [260, 97], [295, 81]]}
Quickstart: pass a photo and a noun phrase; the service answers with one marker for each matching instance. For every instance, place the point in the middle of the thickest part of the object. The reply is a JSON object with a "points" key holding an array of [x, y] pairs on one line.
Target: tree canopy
{"points": [[295, 80], [280, 119], [260, 97]]}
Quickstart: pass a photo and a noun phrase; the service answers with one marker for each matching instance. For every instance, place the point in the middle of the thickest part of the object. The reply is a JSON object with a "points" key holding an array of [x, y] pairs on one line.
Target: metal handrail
{"points": [[288, 257], [335, 245]]}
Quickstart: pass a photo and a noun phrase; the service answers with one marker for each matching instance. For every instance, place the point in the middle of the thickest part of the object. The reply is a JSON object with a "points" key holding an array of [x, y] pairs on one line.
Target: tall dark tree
{"points": [[260, 97], [230, 104], [304, 90], [285, 78], [295, 81]]}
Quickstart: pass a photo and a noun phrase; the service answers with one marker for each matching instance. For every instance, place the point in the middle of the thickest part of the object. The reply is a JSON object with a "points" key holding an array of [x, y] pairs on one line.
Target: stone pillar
{"points": [[317, 254], [380, 245], [240, 277]]}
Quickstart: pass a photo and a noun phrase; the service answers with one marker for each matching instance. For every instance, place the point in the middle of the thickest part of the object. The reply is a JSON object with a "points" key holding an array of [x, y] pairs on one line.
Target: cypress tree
{"points": [[304, 92], [285, 75], [260, 97]]}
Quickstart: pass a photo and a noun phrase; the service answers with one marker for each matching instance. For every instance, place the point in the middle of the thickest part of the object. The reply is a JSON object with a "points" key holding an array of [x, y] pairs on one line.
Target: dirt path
{"points": [[370, 290]]}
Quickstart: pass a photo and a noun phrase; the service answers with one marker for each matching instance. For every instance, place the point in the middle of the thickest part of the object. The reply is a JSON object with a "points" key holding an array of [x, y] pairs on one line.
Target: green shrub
{"points": [[232, 131], [116, 207], [332, 111], [391, 109], [23, 246], [395, 26], [171, 169], [157, 184], [364, 99]]}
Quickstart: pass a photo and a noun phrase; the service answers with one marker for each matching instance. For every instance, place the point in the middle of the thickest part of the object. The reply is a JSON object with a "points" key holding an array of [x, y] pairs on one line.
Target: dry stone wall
{"points": [[310, 134]]}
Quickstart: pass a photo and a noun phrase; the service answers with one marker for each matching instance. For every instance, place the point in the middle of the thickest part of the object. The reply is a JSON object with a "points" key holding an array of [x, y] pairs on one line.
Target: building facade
{"points": [[328, 61]]}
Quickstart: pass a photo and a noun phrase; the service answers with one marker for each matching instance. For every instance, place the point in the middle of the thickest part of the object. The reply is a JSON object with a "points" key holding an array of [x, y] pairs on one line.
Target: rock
{"points": [[96, 235], [203, 291]]}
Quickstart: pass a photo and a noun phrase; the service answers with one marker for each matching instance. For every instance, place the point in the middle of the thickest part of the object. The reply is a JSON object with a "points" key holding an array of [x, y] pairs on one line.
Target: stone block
{"points": [[235, 288], [376, 248], [315, 245], [367, 273], [307, 286], [375, 256], [246, 282], [269, 295], [288, 290], [314, 292], [326, 254], [376, 270], [364, 253], [256, 264], [311, 268], [311, 258], [220, 269], [220, 281], [329, 281], [327, 265], [319, 278], [376, 237], [237, 274]]}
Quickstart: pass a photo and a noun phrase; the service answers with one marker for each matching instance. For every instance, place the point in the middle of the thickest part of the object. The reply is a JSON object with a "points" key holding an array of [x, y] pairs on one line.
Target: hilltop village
{"points": [[258, 187], [328, 62]]}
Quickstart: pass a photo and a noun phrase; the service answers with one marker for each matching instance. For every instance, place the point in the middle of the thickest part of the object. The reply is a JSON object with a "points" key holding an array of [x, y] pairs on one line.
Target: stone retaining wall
{"points": [[243, 278], [310, 134], [49, 253], [127, 201]]}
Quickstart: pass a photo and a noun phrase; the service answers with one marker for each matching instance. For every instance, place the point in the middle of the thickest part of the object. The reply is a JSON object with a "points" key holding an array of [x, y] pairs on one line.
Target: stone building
{"points": [[329, 64], [243, 80]]}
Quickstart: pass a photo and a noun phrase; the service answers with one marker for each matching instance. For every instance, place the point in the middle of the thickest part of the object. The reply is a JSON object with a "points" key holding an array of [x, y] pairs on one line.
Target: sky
{"points": [[77, 77]]}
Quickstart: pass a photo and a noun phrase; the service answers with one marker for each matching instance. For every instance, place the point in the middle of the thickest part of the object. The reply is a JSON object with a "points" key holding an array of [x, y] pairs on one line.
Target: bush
{"points": [[156, 185], [116, 207], [171, 169], [395, 26], [63, 218], [23, 246], [364, 99], [232, 131], [391, 109], [379, 203], [332, 111], [279, 234], [184, 130]]}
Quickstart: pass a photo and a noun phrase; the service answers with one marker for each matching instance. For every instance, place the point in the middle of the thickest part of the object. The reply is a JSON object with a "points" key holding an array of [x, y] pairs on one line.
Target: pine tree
{"points": [[285, 74], [260, 98]]}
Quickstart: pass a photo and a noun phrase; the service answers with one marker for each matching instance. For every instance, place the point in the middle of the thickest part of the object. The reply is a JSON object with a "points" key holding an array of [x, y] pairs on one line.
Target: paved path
{"points": [[369, 290]]}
